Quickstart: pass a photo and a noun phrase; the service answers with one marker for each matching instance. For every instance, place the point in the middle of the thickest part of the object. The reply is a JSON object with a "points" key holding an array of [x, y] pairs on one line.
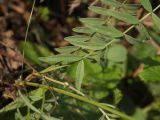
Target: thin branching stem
{"points": [[81, 98]]}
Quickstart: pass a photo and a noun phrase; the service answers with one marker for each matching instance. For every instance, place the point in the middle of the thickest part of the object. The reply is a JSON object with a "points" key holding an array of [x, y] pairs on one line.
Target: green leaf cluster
{"points": [[101, 59]]}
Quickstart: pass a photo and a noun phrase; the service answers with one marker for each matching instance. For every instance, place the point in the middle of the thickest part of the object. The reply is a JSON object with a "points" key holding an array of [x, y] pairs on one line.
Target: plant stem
{"points": [[27, 30], [81, 98]]}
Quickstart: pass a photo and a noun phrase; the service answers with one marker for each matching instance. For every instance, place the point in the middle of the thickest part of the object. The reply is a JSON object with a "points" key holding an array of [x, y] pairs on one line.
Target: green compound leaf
{"points": [[89, 45], [143, 50], [147, 5], [144, 32], [37, 94], [117, 96], [52, 68], [98, 10], [83, 30], [114, 3], [77, 38], [124, 16], [156, 20], [79, 74], [117, 53], [131, 7], [67, 58], [106, 30], [151, 74], [94, 21], [131, 39], [67, 49]]}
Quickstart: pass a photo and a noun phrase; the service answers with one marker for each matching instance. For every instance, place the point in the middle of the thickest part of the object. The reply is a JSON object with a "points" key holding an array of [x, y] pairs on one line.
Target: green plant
{"points": [[97, 59]]}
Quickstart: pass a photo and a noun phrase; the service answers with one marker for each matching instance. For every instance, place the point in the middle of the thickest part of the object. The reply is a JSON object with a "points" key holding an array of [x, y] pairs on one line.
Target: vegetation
{"points": [[110, 70]]}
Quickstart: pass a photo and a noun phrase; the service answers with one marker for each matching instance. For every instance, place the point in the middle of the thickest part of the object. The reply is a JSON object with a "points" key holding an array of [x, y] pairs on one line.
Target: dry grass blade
{"points": [[74, 4]]}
